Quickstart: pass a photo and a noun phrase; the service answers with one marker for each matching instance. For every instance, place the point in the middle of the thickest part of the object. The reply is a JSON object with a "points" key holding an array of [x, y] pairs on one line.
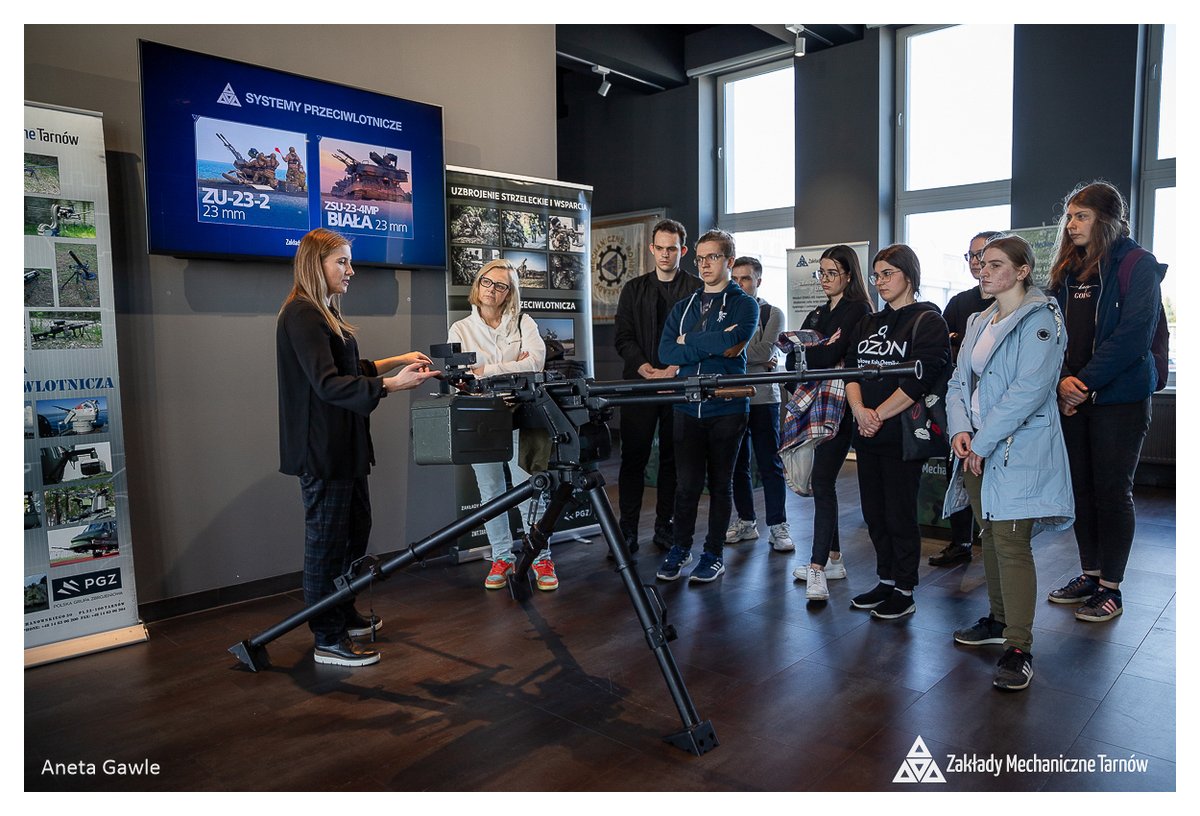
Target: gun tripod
{"points": [[697, 736]]}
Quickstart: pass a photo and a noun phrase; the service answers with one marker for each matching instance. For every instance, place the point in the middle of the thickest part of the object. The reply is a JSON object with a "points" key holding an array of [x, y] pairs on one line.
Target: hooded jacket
{"points": [[890, 337], [1121, 369], [730, 323], [497, 349], [1025, 470]]}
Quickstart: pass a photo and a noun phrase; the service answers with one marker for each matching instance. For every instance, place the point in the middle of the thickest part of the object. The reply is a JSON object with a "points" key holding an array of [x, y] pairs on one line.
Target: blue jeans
{"points": [[489, 476], [705, 447], [762, 431]]}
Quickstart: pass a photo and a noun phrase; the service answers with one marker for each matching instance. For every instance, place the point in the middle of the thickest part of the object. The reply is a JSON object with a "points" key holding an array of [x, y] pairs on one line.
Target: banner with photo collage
{"points": [[80, 594], [541, 226]]}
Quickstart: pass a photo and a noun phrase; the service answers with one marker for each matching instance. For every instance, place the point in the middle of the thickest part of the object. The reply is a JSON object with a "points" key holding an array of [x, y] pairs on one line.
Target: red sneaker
{"points": [[546, 579], [498, 577]]}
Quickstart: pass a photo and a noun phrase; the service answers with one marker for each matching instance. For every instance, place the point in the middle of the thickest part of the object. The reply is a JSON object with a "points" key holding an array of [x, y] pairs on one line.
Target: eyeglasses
{"points": [[876, 277], [827, 274], [488, 283], [711, 258], [967, 256]]}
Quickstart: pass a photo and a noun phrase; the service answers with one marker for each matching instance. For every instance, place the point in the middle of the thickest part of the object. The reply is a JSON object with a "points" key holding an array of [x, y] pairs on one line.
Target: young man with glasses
{"points": [[707, 333], [958, 310], [641, 314], [762, 430]]}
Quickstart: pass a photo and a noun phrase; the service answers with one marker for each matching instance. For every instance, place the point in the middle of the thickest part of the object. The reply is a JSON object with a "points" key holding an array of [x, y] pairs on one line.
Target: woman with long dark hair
{"points": [[905, 330], [1010, 465], [847, 304], [326, 394], [1107, 379]]}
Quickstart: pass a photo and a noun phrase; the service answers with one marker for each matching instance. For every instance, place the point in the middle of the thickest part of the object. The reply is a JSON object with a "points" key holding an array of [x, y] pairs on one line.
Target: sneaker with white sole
{"points": [[983, 632], [709, 569], [742, 530], [1104, 605], [1078, 590], [1014, 671], [780, 538], [817, 590], [896, 606], [833, 570], [676, 560]]}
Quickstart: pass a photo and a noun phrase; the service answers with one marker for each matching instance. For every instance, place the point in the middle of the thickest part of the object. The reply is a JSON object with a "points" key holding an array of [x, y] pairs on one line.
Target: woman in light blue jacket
{"points": [[1011, 464]]}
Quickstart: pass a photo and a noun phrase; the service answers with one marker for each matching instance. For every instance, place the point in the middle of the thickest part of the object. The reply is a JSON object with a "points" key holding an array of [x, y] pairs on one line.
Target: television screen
{"points": [[243, 160]]}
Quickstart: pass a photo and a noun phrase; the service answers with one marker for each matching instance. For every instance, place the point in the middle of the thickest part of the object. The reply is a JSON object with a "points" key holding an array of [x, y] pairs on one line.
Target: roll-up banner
{"points": [[803, 285], [541, 226], [79, 589]]}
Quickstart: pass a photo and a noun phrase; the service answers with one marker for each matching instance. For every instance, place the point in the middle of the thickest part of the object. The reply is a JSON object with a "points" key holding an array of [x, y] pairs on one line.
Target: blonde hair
{"points": [[308, 278], [512, 305]]}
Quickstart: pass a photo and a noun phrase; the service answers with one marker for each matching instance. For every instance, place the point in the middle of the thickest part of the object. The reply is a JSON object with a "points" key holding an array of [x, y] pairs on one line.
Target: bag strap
{"points": [[1125, 271]]}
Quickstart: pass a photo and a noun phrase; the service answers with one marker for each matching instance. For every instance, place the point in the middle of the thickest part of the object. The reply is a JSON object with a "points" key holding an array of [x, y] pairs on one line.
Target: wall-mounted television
{"points": [[242, 161]]}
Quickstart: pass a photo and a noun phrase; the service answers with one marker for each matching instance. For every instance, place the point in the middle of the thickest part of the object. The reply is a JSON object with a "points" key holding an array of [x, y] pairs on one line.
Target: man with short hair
{"points": [[707, 333], [762, 429], [641, 314], [961, 307]]}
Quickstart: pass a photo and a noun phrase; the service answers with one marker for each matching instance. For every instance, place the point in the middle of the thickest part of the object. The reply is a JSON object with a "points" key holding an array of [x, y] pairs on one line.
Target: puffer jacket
{"points": [[1025, 470]]}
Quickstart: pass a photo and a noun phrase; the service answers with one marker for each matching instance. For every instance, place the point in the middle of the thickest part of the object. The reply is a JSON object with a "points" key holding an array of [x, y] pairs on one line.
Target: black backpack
{"points": [[1159, 346]]}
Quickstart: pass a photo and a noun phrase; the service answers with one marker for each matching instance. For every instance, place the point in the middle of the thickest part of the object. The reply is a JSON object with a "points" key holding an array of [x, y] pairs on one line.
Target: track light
{"points": [[801, 42], [605, 85]]}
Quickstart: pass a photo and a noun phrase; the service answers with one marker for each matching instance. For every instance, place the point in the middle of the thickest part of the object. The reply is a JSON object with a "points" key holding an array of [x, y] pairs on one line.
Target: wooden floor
{"points": [[476, 692]]}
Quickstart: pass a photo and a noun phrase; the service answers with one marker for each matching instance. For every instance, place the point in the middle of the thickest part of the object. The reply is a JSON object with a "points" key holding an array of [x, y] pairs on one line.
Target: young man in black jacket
{"points": [[641, 314]]}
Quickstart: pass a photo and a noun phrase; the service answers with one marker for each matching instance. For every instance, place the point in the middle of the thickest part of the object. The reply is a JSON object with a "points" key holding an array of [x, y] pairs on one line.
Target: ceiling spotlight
{"points": [[605, 85], [801, 42]]}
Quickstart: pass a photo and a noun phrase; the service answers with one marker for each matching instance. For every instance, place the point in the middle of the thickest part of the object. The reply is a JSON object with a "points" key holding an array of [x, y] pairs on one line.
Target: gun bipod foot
{"points": [[253, 657]]}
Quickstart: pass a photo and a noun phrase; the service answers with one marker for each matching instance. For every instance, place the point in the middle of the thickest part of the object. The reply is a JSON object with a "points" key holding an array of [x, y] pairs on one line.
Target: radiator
{"points": [[1159, 447]]}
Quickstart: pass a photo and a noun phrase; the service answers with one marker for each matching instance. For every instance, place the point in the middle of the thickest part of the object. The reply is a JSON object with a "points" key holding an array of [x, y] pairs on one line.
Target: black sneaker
{"points": [[896, 606], [1078, 590], [1014, 671], [1103, 606], [358, 626], [344, 652], [951, 554], [872, 599], [985, 631]]}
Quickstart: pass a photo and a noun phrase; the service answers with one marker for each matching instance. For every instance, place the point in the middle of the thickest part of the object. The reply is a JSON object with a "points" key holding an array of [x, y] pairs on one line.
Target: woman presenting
{"points": [[326, 394], [504, 340], [1011, 464]]}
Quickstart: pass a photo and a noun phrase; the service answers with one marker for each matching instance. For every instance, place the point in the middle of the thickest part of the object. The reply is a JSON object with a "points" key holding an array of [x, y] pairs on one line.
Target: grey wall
{"points": [[196, 338]]}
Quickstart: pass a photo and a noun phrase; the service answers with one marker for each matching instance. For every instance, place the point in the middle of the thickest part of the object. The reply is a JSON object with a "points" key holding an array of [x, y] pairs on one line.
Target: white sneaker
{"points": [[817, 589], [742, 530], [781, 538], [835, 569]]}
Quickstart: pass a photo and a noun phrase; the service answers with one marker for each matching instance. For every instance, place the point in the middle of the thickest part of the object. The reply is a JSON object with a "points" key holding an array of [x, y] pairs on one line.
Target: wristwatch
{"points": [[383, 391]]}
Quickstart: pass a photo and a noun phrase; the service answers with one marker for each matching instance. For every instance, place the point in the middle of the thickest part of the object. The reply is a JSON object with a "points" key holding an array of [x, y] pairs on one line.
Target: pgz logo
{"points": [[86, 584]]}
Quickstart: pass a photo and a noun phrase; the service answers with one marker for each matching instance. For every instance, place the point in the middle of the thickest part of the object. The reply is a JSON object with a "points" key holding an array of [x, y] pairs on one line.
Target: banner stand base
{"points": [[88, 644]]}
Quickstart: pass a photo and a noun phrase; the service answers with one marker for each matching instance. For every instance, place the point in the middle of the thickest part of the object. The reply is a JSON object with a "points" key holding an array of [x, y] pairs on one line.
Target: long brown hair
{"points": [[847, 259], [308, 278], [1112, 224]]}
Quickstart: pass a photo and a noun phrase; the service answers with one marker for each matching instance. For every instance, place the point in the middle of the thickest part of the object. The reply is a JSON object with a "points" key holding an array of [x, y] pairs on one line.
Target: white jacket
{"points": [[497, 349]]}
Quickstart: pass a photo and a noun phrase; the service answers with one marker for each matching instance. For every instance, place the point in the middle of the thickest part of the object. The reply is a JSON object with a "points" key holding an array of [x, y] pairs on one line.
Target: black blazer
{"points": [[326, 395]]}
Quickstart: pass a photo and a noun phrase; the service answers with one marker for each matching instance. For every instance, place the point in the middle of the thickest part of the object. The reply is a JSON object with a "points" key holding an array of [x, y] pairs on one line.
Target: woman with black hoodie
{"points": [[903, 331]]}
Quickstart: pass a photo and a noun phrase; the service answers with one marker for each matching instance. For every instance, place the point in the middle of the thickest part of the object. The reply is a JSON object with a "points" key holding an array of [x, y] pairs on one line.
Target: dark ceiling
{"points": [[651, 58]]}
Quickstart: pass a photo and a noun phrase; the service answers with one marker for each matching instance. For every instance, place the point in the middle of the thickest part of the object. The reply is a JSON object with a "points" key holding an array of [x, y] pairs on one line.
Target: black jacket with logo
{"points": [[886, 338]]}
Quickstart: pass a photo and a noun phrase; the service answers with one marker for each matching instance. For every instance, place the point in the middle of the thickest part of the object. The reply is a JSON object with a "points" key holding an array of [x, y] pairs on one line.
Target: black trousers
{"points": [[705, 447], [337, 526], [1103, 446], [638, 424], [828, 459], [888, 489]]}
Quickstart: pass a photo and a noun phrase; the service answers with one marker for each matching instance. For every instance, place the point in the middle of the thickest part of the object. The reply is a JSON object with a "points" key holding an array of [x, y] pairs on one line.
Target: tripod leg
{"points": [[698, 737], [536, 540], [252, 651]]}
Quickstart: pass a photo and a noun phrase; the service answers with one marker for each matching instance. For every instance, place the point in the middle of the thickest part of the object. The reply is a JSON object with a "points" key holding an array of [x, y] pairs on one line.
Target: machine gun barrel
{"points": [[232, 149]]}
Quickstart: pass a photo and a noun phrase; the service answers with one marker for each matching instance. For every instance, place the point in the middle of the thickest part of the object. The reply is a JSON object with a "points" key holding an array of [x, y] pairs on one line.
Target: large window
{"points": [[953, 145], [1156, 223], [757, 168]]}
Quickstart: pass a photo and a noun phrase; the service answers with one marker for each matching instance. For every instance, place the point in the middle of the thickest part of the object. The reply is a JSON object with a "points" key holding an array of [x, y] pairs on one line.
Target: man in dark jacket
{"points": [[641, 314], [706, 333]]}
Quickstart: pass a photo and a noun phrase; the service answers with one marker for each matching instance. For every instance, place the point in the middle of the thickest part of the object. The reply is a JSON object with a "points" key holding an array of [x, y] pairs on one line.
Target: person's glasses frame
{"points": [[488, 283], [711, 258]]}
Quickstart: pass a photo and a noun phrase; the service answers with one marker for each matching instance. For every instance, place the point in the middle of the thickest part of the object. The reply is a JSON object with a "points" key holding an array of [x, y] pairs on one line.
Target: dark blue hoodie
{"points": [[704, 346]]}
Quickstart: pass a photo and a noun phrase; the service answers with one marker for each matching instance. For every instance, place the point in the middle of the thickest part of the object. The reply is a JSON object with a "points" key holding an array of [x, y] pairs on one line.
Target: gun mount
{"points": [[380, 180]]}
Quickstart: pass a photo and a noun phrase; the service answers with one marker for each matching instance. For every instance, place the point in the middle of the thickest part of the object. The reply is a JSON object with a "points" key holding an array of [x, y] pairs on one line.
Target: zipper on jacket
{"points": [[1007, 448]]}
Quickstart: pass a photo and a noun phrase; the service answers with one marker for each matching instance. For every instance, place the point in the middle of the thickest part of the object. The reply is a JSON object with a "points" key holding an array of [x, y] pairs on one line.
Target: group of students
{"points": [[1047, 408]]}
